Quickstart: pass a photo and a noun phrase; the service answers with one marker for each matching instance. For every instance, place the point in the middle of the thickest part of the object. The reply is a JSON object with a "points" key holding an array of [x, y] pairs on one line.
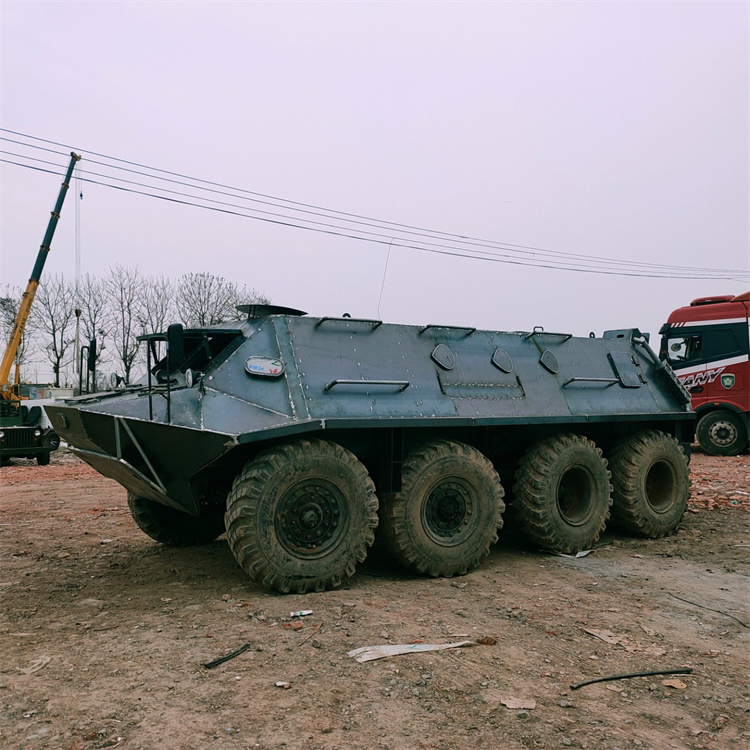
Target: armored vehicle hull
{"points": [[301, 436]]}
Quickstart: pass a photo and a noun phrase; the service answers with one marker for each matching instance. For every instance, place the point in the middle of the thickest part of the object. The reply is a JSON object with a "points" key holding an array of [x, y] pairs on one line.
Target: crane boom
{"points": [[28, 296]]}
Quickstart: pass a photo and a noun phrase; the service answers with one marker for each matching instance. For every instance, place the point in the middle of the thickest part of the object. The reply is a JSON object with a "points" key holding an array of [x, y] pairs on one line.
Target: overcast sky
{"points": [[610, 129]]}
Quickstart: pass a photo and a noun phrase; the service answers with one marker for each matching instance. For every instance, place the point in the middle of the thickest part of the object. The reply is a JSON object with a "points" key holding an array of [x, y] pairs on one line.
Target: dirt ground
{"points": [[104, 633]]}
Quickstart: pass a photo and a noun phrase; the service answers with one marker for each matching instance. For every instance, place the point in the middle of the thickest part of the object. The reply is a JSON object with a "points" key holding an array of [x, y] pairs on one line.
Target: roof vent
{"points": [[261, 311], [711, 300]]}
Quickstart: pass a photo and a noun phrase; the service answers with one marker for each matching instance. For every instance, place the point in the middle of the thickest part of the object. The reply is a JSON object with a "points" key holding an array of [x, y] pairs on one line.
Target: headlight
{"points": [[37, 433], [2, 434]]}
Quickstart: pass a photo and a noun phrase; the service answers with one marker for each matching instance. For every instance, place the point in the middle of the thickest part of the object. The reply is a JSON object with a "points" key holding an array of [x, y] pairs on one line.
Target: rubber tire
{"points": [[650, 484], [729, 424], [50, 440], [537, 498], [265, 511], [175, 527], [411, 518]]}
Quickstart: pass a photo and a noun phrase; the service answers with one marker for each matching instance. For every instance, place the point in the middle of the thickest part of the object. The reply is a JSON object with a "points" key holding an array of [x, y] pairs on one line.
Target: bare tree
{"points": [[92, 301], [124, 305], [155, 309], [122, 285], [205, 300], [54, 313], [247, 296], [10, 300]]}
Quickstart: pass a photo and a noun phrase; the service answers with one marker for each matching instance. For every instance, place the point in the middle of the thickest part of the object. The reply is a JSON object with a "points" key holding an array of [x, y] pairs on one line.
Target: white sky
{"points": [[618, 130]]}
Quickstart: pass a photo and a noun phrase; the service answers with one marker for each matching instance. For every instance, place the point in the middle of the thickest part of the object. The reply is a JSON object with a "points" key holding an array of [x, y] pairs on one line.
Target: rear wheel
{"points": [[175, 527], [651, 484], [447, 514], [721, 433], [300, 516], [562, 493]]}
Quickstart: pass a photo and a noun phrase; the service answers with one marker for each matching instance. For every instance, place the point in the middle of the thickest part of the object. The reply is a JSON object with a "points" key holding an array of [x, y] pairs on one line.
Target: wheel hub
{"points": [[309, 517], [575, 495], [722, 433], [660, 486], [447, 512]]}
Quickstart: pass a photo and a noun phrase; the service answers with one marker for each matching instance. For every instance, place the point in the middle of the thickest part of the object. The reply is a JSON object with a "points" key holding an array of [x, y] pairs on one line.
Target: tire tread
{"points": [[630, 510], [247, 494], [395, 526], [531, 498]]}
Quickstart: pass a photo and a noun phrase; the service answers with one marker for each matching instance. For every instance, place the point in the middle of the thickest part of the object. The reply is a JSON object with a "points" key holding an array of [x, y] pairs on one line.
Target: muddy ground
{"points": [[104, 633]]}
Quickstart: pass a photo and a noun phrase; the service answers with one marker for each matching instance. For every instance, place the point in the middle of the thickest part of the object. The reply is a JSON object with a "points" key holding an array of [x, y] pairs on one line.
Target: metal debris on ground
{"points": [[628, 675], [222, 659], [369, 653]]}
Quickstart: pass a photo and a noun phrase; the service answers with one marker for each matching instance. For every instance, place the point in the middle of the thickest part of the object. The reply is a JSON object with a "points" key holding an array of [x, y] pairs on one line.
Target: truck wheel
{"points": [[562, 494], [50, 440], [651, 483], [301, 515], [721, 433], [174, 527], [447, 514]]}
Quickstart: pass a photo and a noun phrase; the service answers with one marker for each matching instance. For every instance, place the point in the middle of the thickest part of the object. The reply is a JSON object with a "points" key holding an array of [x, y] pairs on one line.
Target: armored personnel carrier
{"points": [[302, 437]]}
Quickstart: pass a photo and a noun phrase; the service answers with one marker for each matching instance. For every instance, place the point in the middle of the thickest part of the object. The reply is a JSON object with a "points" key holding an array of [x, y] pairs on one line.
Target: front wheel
{"points": [[721, 433], [51, 441], [562, 493], [175, 527], [301, 515], [651, 484]]}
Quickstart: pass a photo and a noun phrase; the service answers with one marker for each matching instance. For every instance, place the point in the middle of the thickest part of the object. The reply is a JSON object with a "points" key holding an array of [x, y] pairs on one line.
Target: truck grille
{"points": [[18, 437]]}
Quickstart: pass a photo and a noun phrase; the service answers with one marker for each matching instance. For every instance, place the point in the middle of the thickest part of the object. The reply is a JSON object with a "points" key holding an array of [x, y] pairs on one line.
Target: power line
{"points": [[455, 252], [290, 221], [480, 244], [506, 247], [460, 246], [445, 250]]}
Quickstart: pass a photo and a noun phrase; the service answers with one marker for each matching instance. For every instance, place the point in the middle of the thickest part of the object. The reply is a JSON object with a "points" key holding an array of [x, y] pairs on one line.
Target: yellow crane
{"points": [[21, 433]]}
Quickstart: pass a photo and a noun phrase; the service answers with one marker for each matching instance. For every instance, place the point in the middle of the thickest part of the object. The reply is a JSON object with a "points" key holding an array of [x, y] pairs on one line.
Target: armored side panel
{"points": [[283, 375]]}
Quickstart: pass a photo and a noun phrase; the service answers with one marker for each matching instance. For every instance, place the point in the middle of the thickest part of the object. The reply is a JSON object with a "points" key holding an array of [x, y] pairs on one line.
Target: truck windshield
{"points": [[681, 349]]}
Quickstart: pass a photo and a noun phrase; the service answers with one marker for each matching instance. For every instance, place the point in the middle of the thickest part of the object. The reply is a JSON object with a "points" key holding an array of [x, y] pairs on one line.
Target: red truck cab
{"points": [[707, 344]]}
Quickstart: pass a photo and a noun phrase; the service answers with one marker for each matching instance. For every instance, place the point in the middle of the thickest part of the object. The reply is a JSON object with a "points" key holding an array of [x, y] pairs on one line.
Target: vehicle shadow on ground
{"points": [[214, 562]]}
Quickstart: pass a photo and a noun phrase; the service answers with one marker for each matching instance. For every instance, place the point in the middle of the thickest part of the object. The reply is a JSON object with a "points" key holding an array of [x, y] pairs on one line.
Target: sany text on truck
{"points": [[707, 344]]}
